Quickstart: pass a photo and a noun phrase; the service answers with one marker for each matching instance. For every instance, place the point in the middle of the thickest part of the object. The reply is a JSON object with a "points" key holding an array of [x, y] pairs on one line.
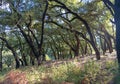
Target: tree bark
{"points": [[13, 52], [24, 59], [42, 32], [77, 46], [1, 49], [117, 22]]}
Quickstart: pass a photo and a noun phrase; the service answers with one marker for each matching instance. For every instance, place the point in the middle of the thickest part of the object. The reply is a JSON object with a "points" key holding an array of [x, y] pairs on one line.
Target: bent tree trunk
{"points": [[13, 52], [85, 24], [16, 58], [96, 51]]}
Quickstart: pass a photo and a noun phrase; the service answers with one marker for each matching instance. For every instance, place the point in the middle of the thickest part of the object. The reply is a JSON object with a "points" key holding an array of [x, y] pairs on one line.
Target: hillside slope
{"points": [[85, 70]]}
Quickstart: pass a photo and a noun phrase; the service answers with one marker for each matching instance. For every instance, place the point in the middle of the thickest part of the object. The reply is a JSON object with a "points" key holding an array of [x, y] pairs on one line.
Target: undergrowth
{"points": [[92, 72], [3, 73]]}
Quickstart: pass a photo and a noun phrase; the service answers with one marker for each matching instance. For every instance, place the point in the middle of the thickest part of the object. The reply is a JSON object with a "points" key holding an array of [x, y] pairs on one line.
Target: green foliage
{"points": [[60, 73], [47, 57], [8, 60], [111, 65], [69, 72], [58, 41]]}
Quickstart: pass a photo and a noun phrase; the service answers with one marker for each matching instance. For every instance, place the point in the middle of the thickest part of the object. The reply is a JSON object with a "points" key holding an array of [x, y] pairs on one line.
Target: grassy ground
{"points": [[90, 72]]}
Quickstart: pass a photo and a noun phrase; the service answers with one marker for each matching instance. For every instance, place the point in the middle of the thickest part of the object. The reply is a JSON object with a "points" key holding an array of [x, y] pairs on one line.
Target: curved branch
{"points": [[109, 5], [71, 30]]}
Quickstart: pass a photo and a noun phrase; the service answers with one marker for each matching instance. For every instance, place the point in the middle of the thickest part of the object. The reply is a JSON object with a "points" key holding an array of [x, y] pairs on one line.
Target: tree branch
{"points": [[71, 30], [109, 5], [42, 30]]}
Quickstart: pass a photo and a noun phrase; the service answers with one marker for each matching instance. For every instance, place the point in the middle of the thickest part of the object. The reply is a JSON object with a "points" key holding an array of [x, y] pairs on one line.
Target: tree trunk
{"points": [[32, 58], [96, 51], [101, 44], [0, 60], [86, 48], [16, 58], [87, 28], [76, 53], [117, 22], [22, 51], [39, 60], [70, 54], [90, 49], [13, 52], [44, 58], [82, 50], [1, 55], [22, 63], [109, 43], [77, 46], [29, 41], [24, 59], [42, 33]]}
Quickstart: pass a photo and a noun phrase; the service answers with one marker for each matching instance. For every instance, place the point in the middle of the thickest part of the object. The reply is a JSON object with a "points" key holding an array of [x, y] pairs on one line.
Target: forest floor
{"points": [[85, 70]]}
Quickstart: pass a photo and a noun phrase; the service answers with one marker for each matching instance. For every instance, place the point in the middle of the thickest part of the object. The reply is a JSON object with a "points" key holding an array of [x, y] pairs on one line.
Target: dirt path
{"points": [[81, 60]]}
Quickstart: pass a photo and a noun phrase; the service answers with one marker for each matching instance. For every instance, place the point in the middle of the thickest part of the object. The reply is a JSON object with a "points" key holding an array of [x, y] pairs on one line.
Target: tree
{"points": [[92, 42], [1, 49], [13, 52], [115, 11], [55, 28]]}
